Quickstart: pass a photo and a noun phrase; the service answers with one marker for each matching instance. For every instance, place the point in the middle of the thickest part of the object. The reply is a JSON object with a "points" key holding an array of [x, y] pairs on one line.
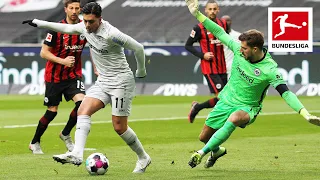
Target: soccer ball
{"points": [[97, 164]]}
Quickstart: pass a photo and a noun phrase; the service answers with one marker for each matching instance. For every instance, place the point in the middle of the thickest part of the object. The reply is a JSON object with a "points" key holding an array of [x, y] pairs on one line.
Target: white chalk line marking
{"points": [[150, 119]]}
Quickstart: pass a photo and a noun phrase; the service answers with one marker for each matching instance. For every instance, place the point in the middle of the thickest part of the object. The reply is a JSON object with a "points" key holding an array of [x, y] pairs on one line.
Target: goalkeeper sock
{"points": [[81, 134], [42, 125], [130, 137], [219, 137]]}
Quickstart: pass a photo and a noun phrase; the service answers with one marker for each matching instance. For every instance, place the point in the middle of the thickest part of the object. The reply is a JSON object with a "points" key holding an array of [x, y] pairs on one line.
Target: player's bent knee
{"points": [[82, 111], [238, 121], [119, 125], [119, 129]]}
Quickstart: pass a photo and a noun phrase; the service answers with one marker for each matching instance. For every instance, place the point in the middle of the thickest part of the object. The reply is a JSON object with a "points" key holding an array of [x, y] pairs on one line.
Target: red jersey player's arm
{"points": [[194, 36], [46, 54]]}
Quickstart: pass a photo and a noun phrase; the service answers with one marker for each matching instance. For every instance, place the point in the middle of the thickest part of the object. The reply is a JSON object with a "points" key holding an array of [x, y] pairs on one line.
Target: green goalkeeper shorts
{"points": [[221, 112]]}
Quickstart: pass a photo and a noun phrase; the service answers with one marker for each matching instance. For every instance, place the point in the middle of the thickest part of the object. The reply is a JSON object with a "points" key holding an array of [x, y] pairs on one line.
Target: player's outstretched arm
{"points": [[213, 27], [58, 27], [139, 54], [276, 80], [293, 101]]}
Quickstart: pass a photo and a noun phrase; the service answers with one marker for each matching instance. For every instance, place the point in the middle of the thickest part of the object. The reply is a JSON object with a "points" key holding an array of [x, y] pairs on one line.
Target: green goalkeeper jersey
{"points": [[249, 82]]}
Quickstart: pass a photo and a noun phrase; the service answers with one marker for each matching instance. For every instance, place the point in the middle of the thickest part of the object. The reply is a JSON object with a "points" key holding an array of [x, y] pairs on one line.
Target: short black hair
{"points": [[84, 2], [92, 8]]}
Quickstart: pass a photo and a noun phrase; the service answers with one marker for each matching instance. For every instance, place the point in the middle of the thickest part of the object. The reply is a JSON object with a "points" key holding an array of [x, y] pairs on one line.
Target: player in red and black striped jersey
{"points": [[213, 64], [63, 76], [68, 49]]}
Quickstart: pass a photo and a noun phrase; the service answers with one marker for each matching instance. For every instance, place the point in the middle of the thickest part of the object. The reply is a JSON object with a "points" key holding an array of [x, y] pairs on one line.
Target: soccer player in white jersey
{"points": [[228, 54], [115, 83]]}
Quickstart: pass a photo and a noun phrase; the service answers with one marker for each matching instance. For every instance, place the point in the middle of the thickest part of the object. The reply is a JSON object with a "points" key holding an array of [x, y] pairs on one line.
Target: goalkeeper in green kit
{"points": [[253, 71]]}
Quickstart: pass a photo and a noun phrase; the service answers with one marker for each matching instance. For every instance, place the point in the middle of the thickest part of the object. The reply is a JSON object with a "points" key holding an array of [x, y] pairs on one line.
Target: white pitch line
{"points": [[152, 119]]}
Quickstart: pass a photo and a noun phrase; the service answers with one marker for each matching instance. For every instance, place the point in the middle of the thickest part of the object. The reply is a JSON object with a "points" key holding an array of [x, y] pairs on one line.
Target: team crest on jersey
{"points": [[82, 37], [218, 86], [193, 33], [257, 72], [49, 37]]}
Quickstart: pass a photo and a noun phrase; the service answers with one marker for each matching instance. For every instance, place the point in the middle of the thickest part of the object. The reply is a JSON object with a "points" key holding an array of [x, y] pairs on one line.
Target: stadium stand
{"points": [[161, 21], [12, 31]]}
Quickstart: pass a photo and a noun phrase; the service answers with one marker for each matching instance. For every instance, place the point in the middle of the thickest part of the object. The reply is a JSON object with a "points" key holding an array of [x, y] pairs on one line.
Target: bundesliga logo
{"points": [[290, 30]]}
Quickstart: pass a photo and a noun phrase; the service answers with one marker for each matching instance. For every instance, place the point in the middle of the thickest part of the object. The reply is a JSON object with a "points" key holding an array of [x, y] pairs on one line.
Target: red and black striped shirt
{"points": [[208, 43], [64, 45]]}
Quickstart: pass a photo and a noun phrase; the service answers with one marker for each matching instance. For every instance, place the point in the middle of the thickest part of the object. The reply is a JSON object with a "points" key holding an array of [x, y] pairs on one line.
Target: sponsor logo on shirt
{"points": [[215, 41], [290, 29], [102, 51], [73, 47], [245, 76]]}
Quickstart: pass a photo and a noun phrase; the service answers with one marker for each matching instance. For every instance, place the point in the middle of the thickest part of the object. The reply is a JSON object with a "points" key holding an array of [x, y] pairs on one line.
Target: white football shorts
{"points": [[120, 97]]}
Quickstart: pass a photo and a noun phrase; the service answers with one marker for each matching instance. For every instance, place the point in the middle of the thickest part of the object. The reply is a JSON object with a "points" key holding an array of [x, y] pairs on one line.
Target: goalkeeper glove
{"points": [[310, 118], [30, 22], [193, 6]]}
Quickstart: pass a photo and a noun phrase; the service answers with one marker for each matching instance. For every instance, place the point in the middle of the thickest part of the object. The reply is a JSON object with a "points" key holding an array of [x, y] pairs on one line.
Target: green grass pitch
{"points": [[279, 145]]}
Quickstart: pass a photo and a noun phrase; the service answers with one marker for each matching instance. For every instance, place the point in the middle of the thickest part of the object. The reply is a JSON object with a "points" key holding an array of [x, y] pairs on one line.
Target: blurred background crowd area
{"points": [[148, 21]]}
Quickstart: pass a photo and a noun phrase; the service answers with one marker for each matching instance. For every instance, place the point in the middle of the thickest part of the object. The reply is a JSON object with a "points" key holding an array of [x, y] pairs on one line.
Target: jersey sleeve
{"points": [[51, 38], [195, 36], [118, 38], [221, 34], [275, 78], [121, 39], [60, 27]]}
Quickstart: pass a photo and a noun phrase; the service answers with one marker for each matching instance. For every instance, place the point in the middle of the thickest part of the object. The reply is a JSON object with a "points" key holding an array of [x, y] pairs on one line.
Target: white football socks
{"points": [[130, 137], [81, 134]]}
